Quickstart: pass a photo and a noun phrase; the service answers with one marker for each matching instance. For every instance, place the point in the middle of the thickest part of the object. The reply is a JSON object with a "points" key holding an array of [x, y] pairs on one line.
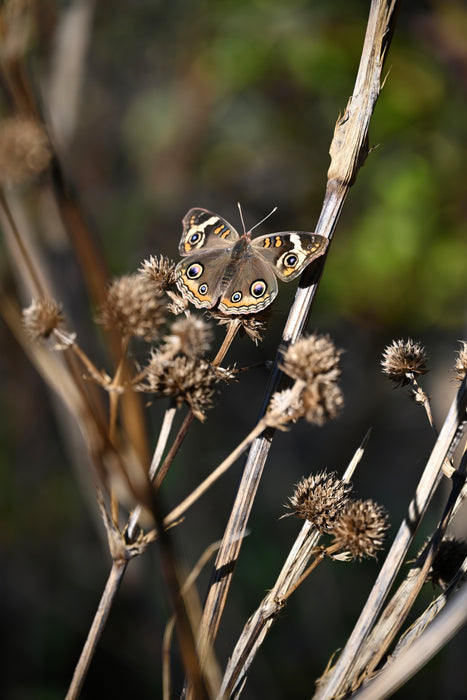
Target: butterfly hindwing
{"points": [[289, 252]]}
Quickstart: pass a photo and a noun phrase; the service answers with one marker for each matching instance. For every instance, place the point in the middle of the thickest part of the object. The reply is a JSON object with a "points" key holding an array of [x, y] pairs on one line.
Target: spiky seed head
{"points": [[41, 318], [449, 558], [320, 499], [24, 150], [322, 401], [134, 306], [313, 358], [190, 336], [160, 270], [403, 360], [461, 361], [185, 379], [360, 529]]}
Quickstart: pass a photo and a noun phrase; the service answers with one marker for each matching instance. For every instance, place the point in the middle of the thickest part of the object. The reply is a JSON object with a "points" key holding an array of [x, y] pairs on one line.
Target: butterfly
{"points": [[238, 272]]}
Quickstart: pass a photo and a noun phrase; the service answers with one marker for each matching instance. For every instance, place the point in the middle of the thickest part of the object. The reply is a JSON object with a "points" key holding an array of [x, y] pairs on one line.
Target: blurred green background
{"points": [[205, 104]]}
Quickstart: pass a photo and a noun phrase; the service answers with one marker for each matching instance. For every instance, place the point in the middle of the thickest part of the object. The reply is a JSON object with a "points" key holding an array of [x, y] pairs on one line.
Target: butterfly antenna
{"points": [[241, 216], [266, 217], [259, 222]]}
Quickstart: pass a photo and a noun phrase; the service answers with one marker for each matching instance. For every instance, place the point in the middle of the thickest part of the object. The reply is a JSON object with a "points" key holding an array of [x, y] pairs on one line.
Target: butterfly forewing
{"points": [[290, 252], [203, 228]]}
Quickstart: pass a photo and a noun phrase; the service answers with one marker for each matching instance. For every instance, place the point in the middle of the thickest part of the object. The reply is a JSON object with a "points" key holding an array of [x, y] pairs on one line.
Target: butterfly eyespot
{"points": [[258, 288], [202, 289], [236, 297], [194, 271], [290, 260], [194, 238]]}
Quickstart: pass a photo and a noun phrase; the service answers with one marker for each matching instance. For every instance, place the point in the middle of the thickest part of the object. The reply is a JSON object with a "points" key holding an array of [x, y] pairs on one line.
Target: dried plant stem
{"points": [[35, 282], [341, 676], [423, 649], [396, 611], [158, 452], [100, 618], [290, 576], [349, 149]]}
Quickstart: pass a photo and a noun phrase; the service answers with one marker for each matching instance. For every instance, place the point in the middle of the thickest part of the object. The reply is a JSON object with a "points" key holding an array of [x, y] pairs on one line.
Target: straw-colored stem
{"points": [[100, 618]]}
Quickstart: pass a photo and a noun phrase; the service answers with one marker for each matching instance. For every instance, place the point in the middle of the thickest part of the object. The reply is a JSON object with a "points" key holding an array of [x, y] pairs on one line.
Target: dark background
{"points": [[205, 104]]}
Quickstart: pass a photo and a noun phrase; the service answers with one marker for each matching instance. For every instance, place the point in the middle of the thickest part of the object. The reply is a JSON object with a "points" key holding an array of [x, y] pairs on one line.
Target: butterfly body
{"points": [[238, 272]]}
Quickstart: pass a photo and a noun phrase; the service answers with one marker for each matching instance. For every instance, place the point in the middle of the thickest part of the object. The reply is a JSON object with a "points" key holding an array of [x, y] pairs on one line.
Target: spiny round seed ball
{"points": [[185, 379], [160, 270], [190, 336], [461, 361], [41, 318], [322, 401], [313, 357], [320, 498], [134, 306], [404, 359], [24, 149], [360, 529]]}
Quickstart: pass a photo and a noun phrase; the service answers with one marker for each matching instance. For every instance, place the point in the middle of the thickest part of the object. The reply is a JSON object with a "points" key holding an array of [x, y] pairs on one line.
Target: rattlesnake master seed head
{"points": [[360, 529], [41, 318], [320, 499], [404, 359], [134, 306]]}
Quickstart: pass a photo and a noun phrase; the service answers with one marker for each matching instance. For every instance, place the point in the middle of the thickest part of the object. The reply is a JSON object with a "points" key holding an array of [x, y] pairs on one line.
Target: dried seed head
{"points": [[252, 325], [24, 150], [451, 554], [461, 361], [315, 357], [316, 360], [134, 306], [190, 336], [284, 407], [360, 529], [320, 499], [41, 318], [404, 360], [185, 379], [160, 270], [322, 401]]}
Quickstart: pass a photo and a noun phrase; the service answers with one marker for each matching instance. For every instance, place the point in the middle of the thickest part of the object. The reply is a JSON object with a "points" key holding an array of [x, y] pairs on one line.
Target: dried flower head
{"points": [[184, 379], [252, 325], [403, 361], [448, 560], [284, 407], [322, 401], [134, 306], [360, 529], [316, 361], [41, 318], [320, 499], [461, 361], [24, 149], [190, 336], [160, 270], [313, 357]]}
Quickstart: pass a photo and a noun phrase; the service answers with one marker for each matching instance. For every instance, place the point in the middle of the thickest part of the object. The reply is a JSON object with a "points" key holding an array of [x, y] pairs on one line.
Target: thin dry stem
{"points": [[343, 674]]}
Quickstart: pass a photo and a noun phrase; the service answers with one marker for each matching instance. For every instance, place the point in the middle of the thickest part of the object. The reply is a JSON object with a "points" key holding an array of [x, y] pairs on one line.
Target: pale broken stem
{"points": [[258, 625], [110, 590], [343, 671], [348, 150], [166, 427], [449, 622], [170, 626], [396, 611], [264, 423]]}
